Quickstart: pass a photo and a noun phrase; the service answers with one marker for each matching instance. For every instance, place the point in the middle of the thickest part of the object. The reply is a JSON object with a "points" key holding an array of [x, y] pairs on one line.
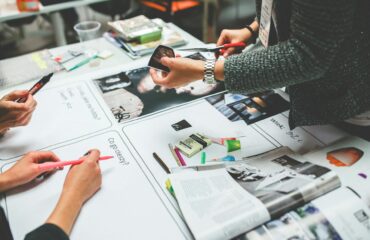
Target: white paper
{"points": [[126, 207], [300, 139], [62, 114]]}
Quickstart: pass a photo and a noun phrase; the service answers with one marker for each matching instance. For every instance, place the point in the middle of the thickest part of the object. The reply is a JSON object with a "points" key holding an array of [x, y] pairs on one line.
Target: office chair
{"points": [[113, 8]]}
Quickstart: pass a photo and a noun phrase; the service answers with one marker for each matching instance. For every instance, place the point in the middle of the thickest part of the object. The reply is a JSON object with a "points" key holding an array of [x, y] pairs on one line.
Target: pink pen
{"points": [[181, 159], [52, 165]]}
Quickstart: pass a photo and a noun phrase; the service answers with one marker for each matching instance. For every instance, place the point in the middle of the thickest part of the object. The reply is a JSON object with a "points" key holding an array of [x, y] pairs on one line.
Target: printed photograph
{"points": [[344, 157], [133, 93], [305, 223], [252, 108], [281, 178]]}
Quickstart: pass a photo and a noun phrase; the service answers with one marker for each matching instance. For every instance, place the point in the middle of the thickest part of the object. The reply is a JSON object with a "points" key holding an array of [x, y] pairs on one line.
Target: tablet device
{"points": [[159, 52]]}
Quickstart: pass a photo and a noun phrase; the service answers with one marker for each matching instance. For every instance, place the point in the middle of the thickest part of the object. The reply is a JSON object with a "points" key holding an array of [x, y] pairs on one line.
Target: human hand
{"points": [[83, 180], [13, 114], [233, 36], [182, 72], [26, 169]]}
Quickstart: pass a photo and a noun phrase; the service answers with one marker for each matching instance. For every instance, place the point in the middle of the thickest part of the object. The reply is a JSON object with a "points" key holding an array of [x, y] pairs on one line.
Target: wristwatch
{"points": [[209, 71]]}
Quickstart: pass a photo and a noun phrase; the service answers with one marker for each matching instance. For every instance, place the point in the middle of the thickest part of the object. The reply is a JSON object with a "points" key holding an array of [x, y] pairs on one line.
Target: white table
{"points": [[119, 59], [9, 11]]}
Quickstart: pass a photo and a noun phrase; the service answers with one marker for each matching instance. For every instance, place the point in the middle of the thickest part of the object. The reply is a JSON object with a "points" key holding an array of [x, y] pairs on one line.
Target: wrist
{"points": [[219, 70], [252, 33], [65, 212], [71, 197], [6, 182], [199, 69]]}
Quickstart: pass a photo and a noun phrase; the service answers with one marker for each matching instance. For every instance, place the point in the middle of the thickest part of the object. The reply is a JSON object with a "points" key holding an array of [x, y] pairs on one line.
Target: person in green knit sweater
{"points": [[318, 49]]}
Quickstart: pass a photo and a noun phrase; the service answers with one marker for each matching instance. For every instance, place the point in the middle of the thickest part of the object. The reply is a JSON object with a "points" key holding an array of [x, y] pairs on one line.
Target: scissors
{"points": [[217, 50]]}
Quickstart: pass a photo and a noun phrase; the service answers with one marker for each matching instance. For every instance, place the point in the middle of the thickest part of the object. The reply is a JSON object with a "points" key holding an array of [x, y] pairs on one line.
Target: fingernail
{"points": [[87, 153]]}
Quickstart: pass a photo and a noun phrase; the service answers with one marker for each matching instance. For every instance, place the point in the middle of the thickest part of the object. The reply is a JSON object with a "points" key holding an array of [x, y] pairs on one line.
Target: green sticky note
{"points": [[232, 145]]}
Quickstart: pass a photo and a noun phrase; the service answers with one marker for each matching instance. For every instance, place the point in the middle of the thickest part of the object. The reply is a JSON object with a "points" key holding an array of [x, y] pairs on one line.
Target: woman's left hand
{"points": [[182, 72]]}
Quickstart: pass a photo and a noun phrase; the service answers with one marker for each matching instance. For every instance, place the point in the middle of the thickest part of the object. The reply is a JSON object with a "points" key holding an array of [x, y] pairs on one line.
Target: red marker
{"points": [[35, 88], [52, 165]]}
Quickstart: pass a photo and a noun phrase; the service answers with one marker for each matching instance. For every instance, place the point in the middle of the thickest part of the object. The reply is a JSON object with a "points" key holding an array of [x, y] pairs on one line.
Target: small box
{"points": [[193, 144]]}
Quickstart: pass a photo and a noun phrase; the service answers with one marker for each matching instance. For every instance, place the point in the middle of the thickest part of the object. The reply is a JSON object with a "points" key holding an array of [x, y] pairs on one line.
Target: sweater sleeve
{"points": [[317, 30], [47, 232]]}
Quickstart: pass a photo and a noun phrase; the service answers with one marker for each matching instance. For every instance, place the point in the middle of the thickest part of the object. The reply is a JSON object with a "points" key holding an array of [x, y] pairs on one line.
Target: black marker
{"points": [[37, 87], [160, 161]]}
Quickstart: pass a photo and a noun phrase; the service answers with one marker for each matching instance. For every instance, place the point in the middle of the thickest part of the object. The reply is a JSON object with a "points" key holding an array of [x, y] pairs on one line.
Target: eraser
{"points": [[105, 54]]}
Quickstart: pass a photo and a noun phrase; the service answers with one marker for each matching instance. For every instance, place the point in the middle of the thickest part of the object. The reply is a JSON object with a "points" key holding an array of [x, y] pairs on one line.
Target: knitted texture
{"points": [[324, 61]]}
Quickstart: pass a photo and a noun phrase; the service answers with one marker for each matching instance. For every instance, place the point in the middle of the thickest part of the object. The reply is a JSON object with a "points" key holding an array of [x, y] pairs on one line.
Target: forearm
{"points": [[314, 42], [65, 212]]}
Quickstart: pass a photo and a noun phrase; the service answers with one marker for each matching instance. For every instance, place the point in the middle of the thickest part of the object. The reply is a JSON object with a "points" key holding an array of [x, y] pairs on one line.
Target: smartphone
{"points": [[159, 52]]}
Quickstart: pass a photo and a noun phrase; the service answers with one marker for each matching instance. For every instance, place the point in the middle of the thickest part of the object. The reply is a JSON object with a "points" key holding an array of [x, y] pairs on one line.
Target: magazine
{"points": [[135, 27], [320, 219], [236, 197]]}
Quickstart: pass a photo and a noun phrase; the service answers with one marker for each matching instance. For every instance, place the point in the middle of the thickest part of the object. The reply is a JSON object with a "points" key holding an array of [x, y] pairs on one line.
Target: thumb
{"points": [[229, 52], [93, 156], [166, 61], [15, 95]]}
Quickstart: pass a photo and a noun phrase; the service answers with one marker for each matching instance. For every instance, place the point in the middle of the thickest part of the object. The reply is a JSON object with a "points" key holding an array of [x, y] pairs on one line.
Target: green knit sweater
{"points": [[321, 53]]}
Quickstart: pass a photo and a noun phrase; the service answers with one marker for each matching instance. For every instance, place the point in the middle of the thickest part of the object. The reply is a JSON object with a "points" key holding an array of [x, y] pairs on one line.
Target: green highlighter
{"points": [[203, 158]]}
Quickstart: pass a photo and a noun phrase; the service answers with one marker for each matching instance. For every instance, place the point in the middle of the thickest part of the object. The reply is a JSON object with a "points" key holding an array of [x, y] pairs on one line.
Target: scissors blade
{"points": [[199, 49]]}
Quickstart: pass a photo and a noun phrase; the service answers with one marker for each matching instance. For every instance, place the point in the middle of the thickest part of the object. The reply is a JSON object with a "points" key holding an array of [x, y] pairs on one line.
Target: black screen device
{"points": [[159, 52]]}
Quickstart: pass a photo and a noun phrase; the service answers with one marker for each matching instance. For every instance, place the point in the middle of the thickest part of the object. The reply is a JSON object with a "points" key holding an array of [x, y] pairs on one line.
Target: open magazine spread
{"points": [[233, 198]]}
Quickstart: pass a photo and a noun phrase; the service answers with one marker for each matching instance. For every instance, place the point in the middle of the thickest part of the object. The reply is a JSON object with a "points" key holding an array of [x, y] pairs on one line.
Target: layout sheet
{"points": [[126, 206], [63, 113], [153, 134]]}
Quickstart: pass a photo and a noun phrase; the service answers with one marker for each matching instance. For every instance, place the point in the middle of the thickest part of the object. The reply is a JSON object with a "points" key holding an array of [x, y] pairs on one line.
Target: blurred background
{"points": [[52, 25]]}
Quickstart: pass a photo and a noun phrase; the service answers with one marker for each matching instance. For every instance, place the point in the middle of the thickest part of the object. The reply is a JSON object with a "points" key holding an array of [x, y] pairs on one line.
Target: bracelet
{"points": [[254, 34], [209, 71]]}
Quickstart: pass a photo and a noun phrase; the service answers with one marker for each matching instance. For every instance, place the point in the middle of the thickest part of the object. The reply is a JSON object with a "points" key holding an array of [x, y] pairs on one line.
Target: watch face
{"points": [[155, 60]]}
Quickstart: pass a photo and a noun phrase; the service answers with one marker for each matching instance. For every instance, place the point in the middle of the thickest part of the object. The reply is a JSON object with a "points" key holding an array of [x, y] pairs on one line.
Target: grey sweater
{"points": [[320, 50]]}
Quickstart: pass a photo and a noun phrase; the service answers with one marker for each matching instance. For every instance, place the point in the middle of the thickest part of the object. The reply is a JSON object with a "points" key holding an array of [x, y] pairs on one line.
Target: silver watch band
{"points": [[209, 71]]}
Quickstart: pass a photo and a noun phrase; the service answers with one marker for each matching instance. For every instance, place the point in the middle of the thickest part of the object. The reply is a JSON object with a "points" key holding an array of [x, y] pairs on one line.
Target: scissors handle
{"points": [[238, 44]]}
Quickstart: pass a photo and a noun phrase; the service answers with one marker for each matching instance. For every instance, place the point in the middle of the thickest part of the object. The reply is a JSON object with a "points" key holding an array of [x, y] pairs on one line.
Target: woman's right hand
{"points": [[233, 36], [83, 180], [13, 114]]}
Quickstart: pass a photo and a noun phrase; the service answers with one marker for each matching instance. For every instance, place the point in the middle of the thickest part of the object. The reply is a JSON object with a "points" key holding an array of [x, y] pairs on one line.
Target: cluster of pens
{"points": [[176, 154]]}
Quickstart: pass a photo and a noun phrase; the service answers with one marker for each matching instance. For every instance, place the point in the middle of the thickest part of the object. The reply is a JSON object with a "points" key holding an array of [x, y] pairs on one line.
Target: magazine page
{"points": [[215, 206], [283, 183], [280, 183], [349, 158], [321, 219]]}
